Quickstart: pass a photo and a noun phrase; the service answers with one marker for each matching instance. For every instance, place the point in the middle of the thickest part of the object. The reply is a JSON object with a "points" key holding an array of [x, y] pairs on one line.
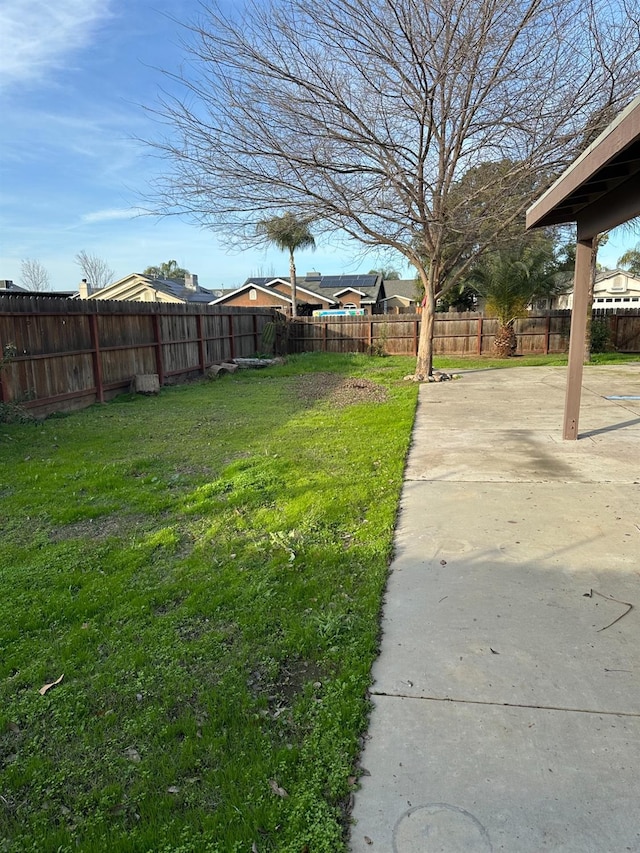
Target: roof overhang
{"points": [[349, 290], [601, 189], [246, 287]]}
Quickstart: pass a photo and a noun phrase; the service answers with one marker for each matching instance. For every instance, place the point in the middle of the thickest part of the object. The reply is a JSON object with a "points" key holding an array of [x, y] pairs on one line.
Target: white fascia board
{"points": [[250, 286]]}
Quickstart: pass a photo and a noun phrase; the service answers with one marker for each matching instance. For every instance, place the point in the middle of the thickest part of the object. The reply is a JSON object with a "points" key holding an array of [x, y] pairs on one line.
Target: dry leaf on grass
{"points": [[277, 789], [46, 687], [173, 789]]}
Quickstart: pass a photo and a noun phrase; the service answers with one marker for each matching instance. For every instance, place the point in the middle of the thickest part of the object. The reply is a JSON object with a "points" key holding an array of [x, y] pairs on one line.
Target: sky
{"points": [[75, 76]]}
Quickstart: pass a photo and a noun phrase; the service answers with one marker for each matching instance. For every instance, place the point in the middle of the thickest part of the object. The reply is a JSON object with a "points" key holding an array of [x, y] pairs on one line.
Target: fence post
{"points": [[324, 335], [96, 357], [232, 345], [415, 337], [479, 343], [370, 335], [547, 332], [157, 337], [201, 358]]}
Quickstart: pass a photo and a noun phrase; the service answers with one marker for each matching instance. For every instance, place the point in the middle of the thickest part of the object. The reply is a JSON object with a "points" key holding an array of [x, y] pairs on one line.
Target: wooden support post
{"points": [[547, 334], [157, 337], [415, 337], [96, 357], [577, 339], [324, 336], [201, 359], [370, 335], [479, 341]]}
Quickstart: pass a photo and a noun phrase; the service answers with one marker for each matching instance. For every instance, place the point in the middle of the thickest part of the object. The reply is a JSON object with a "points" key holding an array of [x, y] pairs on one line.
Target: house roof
{"points": [[173, 289], [603, 274], [326, 288], [405, 288], [250, 285]]}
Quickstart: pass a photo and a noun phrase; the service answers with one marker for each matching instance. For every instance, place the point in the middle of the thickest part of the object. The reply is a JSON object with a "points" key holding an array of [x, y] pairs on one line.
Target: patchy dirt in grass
{"points": [[282, 690], [340, 392], [99, 528]]}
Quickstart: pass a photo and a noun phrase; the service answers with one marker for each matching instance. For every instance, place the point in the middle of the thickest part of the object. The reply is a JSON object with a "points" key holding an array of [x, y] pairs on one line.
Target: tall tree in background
{"points": [[367, 114], [33, 275], [387, 273], [95, 270], [288, 233], [169, 270]]}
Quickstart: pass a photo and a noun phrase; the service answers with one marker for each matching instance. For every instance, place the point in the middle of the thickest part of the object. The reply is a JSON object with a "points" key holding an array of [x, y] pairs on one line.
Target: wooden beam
{"points": [[618, 206], [577, 339]]}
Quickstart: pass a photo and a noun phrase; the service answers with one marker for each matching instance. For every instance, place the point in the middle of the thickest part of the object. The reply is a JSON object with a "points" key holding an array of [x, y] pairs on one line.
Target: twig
{"points": [[629, 607]]}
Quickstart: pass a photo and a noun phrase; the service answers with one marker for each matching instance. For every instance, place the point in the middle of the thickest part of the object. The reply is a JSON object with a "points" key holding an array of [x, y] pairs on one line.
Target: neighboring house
{"points": [[7, 286], [314, 292], [400, 294], [612, 289], [139, 287]]}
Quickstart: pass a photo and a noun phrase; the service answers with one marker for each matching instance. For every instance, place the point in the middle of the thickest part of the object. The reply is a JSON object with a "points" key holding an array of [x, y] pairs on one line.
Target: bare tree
{"points": [[34, 276], [95, 270], [366, 115]]}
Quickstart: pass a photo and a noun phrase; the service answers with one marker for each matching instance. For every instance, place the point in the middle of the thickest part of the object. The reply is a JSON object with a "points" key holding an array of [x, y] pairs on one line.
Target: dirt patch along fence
{"points": [[64, 354], [455, 334]]}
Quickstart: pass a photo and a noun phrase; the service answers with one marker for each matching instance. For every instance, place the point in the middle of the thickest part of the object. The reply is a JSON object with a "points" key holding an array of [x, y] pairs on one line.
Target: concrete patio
{"points": [[506, 698]]}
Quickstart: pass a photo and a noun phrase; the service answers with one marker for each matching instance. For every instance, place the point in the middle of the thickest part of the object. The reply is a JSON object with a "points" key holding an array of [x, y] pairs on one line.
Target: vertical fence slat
{"points": [[201, 355], [157, 334], [96, 357], [232, 347]]}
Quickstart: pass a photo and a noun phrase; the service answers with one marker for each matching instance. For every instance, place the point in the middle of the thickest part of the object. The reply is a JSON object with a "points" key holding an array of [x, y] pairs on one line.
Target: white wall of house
{"points": [[613, 289]]}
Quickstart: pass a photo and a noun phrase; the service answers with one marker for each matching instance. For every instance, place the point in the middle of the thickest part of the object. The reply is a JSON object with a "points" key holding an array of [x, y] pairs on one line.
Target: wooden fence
{"points": [[454, 334], [63, 354]]}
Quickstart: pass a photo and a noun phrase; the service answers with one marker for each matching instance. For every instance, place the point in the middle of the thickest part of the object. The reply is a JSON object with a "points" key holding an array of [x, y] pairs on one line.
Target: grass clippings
{"points": [[206, 569]]}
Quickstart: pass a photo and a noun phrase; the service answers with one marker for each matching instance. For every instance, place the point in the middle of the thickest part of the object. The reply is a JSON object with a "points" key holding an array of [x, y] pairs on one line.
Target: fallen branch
{"points": [[629, 607]]}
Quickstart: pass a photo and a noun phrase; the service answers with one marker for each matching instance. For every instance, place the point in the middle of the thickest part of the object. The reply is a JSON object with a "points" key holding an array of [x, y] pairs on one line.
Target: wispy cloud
{"points": [[37, 35], [111, 214]]}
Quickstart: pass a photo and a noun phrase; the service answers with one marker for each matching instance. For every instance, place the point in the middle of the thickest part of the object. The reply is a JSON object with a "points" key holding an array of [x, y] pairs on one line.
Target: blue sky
{"points": [[73, 77]]}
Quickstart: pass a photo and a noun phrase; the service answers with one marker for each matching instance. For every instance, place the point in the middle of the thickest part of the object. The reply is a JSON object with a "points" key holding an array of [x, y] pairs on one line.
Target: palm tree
{"points": [[289, 233], [630, 261], [509, 282], [168, 270]]}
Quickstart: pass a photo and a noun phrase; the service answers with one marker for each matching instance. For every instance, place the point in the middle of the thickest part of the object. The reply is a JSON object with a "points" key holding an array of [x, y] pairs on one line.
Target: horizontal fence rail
{"points": [[62, 354], [456, 334]]}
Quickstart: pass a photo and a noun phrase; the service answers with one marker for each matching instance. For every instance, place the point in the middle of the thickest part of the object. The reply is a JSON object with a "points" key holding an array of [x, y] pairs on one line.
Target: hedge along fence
{"points": [[62, 354], [454, 334]]}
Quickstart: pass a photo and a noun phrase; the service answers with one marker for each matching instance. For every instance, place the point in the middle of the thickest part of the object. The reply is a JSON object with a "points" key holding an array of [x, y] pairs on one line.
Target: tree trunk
{"points": [[292, 279], [506, 342], [424, 361]]}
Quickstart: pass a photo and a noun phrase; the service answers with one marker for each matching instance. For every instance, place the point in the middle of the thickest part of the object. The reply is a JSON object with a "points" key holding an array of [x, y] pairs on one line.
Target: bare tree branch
{"points": [[95, 270], [34, 276], [366, 115]]}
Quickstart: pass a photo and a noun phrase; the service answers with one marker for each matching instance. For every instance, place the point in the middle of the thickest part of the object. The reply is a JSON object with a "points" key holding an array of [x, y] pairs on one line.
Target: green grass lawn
{"points": [[555, 360], [205, 568]]}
